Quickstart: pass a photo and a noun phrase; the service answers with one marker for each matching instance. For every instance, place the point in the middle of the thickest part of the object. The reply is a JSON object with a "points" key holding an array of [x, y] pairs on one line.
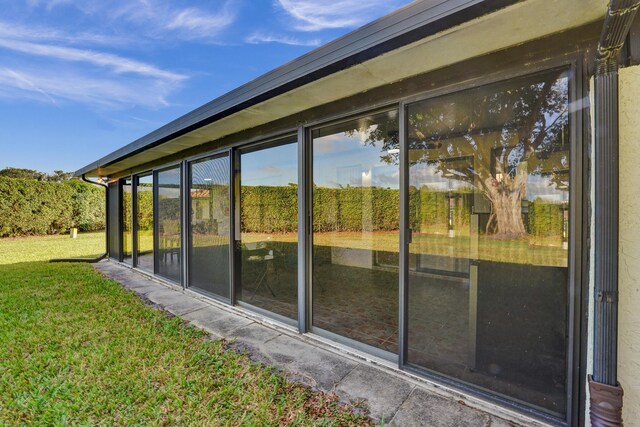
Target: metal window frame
{"points": [[276, 140], [306, 204], [121, 249], [576, 282], [576, 60], [134, 197], [188, 163], [156, 241], [134, 217]]}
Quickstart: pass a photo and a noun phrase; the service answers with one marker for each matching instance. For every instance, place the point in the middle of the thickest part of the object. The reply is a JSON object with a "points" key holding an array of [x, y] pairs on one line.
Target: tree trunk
{"points": [[506, 205]]}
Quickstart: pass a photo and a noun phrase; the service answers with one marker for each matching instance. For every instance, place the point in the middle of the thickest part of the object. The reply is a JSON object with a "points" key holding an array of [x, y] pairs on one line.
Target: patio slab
{"points": [[383, 392], [307, 363], [185, 305], [389, 396], [217, 321], [437, 411]]}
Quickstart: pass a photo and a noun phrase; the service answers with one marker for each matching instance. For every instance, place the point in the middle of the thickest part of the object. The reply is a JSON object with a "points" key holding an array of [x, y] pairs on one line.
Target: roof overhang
{"points": [[418, 38]]}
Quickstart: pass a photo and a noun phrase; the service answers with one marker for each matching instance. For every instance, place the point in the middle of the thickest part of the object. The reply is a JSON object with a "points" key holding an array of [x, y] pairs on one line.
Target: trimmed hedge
{"points": [[268, 209], [545, 219], [30, 207]]}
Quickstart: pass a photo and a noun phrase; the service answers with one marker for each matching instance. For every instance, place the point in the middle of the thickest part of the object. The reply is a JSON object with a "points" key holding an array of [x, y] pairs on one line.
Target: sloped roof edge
{"points": [[401, 27]]}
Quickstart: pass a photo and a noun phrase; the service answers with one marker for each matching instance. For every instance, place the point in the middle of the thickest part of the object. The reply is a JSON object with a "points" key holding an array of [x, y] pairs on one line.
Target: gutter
{"points": [[606, 394], [106, 253]]}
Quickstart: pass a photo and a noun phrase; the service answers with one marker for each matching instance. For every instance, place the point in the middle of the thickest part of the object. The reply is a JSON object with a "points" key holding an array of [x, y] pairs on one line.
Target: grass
{"points": [[484, 248], [43, 248], [78, 349]]}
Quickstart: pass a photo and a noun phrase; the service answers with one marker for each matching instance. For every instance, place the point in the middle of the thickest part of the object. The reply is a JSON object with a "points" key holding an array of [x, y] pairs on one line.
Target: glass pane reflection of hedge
{"points": [[342, 207], [145, 221]]}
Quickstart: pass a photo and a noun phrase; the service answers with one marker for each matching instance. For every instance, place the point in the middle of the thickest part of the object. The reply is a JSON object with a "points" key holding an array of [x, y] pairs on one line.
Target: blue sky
{"points": [[81, 78]]}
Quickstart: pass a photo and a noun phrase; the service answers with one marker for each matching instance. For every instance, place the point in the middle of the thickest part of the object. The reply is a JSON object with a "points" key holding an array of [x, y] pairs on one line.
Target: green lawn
{"points": [[78, 349]]}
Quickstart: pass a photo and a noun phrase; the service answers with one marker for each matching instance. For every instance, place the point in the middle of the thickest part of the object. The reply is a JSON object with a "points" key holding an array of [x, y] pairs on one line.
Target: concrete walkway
{"points": [[391, 396]]}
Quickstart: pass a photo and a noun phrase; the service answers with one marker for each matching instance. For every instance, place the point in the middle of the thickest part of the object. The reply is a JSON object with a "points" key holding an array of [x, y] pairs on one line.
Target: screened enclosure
{"points": [[144, 221], [168, 227], [356, 223], [434, 233], [126, 218], [488, 206], [268, 245], [209, 225]]}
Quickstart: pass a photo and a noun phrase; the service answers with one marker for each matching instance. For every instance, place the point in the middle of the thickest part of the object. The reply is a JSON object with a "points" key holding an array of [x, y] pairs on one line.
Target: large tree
{"points": [[500, 135], [22, 173]]}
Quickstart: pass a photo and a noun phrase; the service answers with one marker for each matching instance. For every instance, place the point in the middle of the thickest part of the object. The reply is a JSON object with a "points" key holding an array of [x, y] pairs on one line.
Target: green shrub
{"points": [[545, 219], [29, 207]]}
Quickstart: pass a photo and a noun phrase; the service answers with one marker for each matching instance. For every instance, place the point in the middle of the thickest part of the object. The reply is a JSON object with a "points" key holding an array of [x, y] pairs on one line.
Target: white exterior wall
{"points": [[629, 252]]}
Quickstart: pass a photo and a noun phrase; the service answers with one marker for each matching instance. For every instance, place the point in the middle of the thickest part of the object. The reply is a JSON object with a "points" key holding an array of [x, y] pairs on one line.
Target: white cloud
{"points": [[67, 84], [75, 62], [258, 38], [19, 81], [315, 15], [156, 19], [116, 63], [38, 33], [198, 24]]}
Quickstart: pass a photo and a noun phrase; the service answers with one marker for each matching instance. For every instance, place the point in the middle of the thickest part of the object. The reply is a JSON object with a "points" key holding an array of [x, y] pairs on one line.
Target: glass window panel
{"points": [[269, 229], [144, 222], [127, 241], [488, 204], [356, 222], [169, 254], [210, 222]]}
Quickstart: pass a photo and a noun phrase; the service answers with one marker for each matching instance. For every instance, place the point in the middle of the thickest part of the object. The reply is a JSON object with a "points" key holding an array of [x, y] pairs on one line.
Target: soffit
{"points": [[511, 26]]}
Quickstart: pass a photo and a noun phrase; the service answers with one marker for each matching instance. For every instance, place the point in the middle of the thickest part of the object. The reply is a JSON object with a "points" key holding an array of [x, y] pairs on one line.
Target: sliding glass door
{"points": [[488, 191], [144, 221], [125, 206], [168, 228], [355, 205], [268, 238], [209, 225]]}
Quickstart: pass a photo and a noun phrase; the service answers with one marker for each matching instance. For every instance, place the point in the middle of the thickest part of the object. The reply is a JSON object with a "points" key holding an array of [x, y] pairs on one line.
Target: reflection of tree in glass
{"points": [[512, 130]]}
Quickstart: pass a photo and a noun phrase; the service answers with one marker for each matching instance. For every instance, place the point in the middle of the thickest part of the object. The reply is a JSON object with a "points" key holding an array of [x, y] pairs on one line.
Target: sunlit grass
{"points": [[78, 349], [43, 248], [523, 251]]}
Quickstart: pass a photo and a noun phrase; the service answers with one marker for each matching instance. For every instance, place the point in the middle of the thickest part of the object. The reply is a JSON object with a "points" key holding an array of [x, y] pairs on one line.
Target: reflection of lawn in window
{"points": [[145, 241], [534, 251]]}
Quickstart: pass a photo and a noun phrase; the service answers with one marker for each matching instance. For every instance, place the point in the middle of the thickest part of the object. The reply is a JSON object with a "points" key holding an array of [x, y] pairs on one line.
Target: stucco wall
{"points": [[629, 262]]}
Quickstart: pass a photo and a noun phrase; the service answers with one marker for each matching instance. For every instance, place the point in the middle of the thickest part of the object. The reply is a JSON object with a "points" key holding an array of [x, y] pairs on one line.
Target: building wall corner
{"points": [[629, 249]]}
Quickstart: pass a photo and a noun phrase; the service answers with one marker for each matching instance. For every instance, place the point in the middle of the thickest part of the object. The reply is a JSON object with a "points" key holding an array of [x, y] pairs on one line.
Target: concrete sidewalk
{"points": [[391, 396]]}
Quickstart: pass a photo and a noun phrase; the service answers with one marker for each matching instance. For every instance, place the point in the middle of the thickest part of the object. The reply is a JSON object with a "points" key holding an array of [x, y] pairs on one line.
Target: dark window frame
{"points": [[135, 180], [186, 195], [156, 269], [121, 249], [278, 140], [306, 205], [575, 60], [576, 286]]}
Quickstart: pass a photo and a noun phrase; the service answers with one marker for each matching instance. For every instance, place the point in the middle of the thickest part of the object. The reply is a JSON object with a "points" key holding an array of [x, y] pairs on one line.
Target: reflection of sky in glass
{"points": [[343, 160], [169, 177], [169, 182], [429, 175], [145, 182], [275, 166], [551, 155], [212, 171], [538, 186]]}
